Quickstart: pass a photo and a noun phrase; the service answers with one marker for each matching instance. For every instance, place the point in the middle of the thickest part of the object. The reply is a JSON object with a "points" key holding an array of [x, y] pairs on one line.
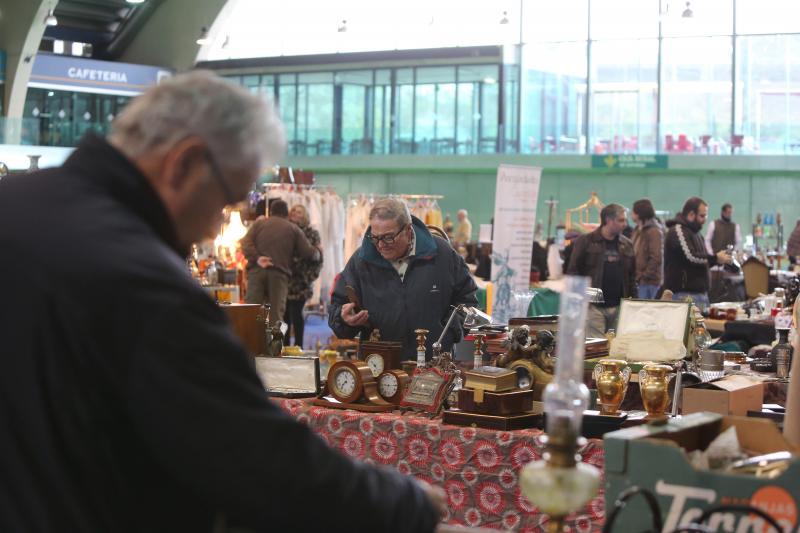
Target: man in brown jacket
{"points": [[607, 257], [648, 246], [269, 246]]}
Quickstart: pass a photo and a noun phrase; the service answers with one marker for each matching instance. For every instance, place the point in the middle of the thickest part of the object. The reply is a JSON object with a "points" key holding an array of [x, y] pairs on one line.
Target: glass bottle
{"points": [[782, 355]]}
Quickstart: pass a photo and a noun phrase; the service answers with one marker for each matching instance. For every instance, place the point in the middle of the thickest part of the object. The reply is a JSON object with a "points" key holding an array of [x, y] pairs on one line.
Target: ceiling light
{"points": [[342, 27], [489, 81], [204, 39], [135, 1], [504, 20], [687, 13], [50, 19]]}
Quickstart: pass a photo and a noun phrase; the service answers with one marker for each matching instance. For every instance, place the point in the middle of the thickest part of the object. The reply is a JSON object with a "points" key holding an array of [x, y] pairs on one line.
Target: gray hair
{"points": [[242, 130], [464, 211], [391, 209]]}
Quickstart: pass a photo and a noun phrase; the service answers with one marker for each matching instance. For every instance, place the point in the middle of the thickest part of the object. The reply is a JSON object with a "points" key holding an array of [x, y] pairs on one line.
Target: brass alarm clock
{"points": [[392, 385]]}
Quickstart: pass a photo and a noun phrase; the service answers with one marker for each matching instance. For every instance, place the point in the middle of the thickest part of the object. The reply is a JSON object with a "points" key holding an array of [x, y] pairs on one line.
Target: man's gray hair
{"points": [[462, 211], [391, 209], [242, 130]]}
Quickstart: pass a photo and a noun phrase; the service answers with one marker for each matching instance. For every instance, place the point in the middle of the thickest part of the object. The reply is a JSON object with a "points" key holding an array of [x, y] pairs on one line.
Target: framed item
{"points": [[382, 355], [291, 377], [428, 389]]}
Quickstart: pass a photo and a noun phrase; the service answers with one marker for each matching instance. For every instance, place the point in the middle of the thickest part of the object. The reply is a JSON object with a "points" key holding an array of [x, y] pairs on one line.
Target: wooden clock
{"points": [[392, 385], [353, 386], [382, 355]]}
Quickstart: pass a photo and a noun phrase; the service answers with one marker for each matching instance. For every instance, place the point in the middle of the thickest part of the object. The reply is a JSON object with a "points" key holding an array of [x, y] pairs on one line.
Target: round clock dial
{"points": [[345, 383], [388, 385], [392, 385], [375, 363]]}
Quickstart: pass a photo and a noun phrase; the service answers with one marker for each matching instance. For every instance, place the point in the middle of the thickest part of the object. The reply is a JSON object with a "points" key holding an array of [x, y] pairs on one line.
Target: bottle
{"points": [[212, 273], [782, 355]]}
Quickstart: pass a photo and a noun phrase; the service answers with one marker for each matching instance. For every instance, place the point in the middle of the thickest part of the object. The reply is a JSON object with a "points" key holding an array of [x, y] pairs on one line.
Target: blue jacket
{"points": [[437, 278]]}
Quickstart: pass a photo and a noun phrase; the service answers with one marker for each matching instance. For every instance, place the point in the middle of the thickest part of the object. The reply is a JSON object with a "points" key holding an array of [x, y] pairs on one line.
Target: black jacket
{"points": [[126, 403], [437, 278], [588, 257], [686, 260]]}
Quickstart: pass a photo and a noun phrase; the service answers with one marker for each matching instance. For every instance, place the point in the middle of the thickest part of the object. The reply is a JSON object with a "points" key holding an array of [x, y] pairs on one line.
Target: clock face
{"points": [[388, 385], [375, 362], [344, 382]]}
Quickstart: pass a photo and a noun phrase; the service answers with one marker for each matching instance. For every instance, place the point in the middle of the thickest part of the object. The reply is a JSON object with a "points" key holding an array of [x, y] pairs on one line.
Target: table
{"points": [[478, 468]]}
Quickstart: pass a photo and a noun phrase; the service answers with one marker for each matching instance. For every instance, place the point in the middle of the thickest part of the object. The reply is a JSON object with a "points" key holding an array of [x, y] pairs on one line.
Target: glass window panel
{"points": [[287, 107], [767, 16], [553, 97], [436, 75], [562, 20], [468, 118], [624, 96], [353, 114], [382, 102], [425, 119], [709, 17], [768, 93], [404, 111], [696, 94], [623, 19]]}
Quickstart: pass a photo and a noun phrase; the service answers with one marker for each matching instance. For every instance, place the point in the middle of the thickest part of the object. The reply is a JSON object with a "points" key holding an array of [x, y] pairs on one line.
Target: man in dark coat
{"points": [[126, 402], [406, 279], [606, 256], [686, 260]]}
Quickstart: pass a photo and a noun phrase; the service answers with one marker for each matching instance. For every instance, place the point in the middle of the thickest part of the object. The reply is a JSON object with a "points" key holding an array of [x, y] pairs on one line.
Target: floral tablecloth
{"points": [[478, 468]]}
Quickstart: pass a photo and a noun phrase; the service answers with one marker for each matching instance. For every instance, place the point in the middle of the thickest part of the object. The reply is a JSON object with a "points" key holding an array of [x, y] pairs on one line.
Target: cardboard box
{"points": [[730, 395], [654, 458]]}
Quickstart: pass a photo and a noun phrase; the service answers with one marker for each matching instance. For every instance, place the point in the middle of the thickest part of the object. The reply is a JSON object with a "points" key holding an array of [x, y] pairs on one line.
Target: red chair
{"points": [[737, 141], [669, 146], [683, 143]]}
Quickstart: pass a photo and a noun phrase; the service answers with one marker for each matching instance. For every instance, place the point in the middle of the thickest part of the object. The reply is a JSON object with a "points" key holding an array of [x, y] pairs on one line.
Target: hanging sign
{"points": [[516, 196], [630, 161]]}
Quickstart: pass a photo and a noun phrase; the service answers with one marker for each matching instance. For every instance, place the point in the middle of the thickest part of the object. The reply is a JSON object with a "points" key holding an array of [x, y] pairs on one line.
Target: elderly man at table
{"points": [[140, 411], [406, 279]]}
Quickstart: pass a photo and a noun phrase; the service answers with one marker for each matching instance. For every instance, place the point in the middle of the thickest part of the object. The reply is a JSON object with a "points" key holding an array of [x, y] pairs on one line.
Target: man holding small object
{"points": [[401, 278]]}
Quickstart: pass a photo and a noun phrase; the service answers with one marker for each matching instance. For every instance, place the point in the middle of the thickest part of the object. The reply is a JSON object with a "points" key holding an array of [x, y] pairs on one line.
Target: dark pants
{"points": [[270, 285], [294, 318]]}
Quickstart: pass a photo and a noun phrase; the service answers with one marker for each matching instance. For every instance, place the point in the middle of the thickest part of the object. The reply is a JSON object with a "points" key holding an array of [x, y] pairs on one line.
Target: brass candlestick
{"points": [[480, 341], [421, 340]]}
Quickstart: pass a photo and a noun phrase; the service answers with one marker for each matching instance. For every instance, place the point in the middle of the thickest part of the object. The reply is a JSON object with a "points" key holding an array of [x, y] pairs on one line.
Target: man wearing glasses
{"points": [[405, 279], [127, 404]]}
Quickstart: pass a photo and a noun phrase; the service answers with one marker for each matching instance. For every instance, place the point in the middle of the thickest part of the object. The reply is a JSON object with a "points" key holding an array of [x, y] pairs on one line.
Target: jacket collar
{"points": [[425, 246], [107, 168]]}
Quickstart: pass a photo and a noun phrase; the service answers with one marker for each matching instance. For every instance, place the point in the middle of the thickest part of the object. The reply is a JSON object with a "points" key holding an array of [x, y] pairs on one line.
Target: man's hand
{"points": [[724, 257], [264, 262], [436, 495], [353, 319]]}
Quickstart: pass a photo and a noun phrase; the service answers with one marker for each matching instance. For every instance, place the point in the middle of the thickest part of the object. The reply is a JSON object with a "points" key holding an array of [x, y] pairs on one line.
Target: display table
{"points": [[478, 468]]}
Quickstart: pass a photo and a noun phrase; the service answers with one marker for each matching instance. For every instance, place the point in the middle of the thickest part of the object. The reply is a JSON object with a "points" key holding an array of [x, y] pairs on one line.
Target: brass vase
{"points": [[654, 386], [611, 377]]}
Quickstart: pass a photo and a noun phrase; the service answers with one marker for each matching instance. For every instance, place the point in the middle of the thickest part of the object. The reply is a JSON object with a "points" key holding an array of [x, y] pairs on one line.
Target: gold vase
{"points": [[611, 377], [654, 386]]}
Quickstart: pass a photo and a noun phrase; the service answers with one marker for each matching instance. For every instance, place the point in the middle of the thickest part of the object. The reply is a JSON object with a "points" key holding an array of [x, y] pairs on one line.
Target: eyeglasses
{"points": [[230, 198], [388, 239]]}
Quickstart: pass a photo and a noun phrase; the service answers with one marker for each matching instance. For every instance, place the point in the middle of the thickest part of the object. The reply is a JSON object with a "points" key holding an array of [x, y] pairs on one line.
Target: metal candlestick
{"points": [[480, 341], [421, 339]]}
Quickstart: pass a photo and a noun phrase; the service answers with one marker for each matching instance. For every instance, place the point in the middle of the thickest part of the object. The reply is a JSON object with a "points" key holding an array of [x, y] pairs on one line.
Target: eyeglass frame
{"points": [[388, 240]]}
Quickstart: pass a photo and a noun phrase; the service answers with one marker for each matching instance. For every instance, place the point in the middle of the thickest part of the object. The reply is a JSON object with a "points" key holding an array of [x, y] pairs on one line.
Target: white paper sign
{"points": [[514, 221], [485, 233]]}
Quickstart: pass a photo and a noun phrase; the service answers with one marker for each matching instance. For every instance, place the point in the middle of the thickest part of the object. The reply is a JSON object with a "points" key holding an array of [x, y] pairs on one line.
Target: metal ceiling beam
{"points": [[128, 30]]}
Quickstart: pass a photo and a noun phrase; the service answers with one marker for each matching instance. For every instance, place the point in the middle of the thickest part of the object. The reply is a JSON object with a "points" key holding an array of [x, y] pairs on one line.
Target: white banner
{"points": [[514, 221]]}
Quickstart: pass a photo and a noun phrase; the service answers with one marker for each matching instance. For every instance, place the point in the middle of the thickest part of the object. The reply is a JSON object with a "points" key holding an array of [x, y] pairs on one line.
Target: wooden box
{"points": [[496, 403], [247, 321], [457, 417]]}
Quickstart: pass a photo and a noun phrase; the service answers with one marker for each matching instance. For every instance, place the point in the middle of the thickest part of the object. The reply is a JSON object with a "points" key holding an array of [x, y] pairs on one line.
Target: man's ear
{"points": [[184, 162]]}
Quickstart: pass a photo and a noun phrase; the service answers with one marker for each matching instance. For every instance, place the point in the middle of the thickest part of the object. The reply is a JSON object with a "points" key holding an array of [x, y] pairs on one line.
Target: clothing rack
{"points": [[355, 196]]}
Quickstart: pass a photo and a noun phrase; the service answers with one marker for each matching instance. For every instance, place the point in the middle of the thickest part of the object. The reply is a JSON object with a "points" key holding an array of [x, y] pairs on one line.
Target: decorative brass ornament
{"points": [[612, 377], [654, 386]]}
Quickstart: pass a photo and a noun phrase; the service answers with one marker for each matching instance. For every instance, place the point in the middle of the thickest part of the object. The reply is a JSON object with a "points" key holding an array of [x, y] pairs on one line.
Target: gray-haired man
{"points": [[127, 403], [406, 279]]}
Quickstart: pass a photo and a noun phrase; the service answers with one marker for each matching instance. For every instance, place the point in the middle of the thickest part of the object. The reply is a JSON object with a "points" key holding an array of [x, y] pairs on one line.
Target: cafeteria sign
{"points": [[629, 161]]}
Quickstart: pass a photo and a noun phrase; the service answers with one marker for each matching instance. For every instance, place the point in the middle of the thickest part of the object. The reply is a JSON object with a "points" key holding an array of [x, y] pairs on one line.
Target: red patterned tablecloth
{"points": [[478, 468]]}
